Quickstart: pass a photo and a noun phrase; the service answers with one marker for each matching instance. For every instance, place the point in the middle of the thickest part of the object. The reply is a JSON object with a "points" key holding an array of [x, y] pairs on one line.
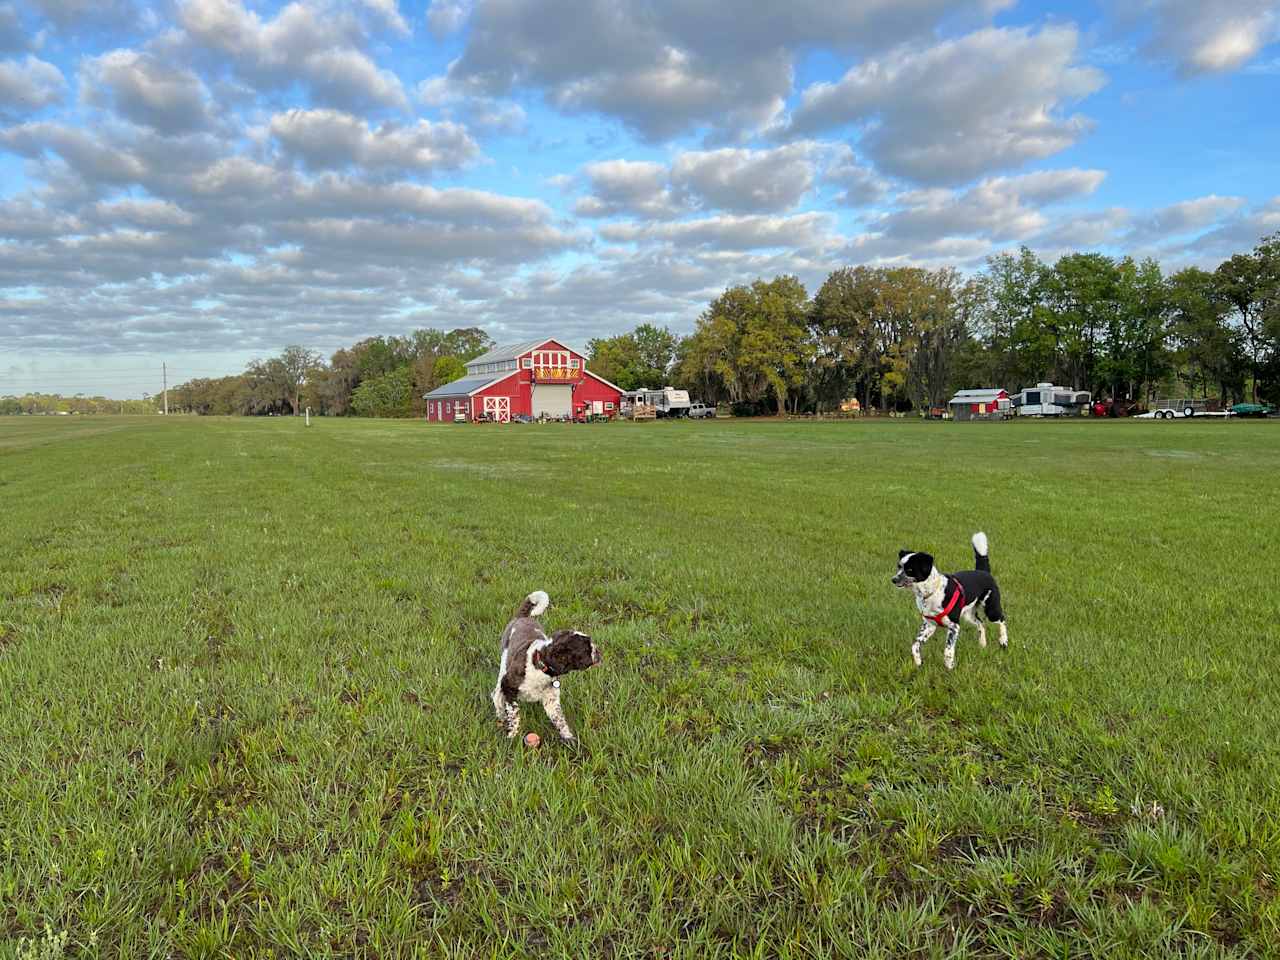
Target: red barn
{"points": [[538, 378]]}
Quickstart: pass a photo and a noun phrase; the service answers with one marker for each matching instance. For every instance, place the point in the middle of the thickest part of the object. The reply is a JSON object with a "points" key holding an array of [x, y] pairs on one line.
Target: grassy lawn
{"points": [[245, 666]]}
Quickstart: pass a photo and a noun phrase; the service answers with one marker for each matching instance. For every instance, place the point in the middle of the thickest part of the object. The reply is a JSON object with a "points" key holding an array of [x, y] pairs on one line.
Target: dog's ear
{"points": [[903, 553]]}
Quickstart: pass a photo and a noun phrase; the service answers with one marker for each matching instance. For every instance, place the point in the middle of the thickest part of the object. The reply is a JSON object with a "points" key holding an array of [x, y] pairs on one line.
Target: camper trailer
{"points": [[667, 402], [1046, 400]]}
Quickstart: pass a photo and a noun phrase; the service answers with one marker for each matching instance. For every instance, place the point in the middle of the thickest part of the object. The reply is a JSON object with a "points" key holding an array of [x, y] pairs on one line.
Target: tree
{"points": [[297, 364], [448, 369], [845, 320], [1249, 283], [388, 395], [754, 341], [1206, 349]]}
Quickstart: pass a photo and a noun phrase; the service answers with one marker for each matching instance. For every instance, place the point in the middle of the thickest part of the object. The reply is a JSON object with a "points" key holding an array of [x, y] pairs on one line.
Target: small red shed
{"points": [[536, 378]]}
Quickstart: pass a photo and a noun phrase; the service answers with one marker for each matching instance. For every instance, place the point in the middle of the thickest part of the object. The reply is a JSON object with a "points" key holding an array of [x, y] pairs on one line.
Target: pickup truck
{"points": [[700, 411]]}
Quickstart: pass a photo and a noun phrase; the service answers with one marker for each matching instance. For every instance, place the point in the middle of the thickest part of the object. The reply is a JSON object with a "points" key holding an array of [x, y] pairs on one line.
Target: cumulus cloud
{"points": [[301, 43], [1199, 37], [330, 139], [731, 232], [28, 85], [667, 67], [628, 187], [146, 90], [953, 111], [735, 180]]}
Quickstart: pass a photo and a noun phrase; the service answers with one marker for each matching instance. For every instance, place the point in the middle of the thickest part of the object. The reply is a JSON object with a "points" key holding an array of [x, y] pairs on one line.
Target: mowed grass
{"points": [[245, 668]]}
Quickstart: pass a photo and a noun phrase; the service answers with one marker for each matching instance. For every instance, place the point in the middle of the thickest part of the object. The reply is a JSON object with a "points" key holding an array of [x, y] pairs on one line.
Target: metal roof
{"points": [[977, 396], [466, 386], [509, 351]]}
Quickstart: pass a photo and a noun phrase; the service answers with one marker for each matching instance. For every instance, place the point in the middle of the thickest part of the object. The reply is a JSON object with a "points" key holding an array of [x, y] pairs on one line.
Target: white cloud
{"points": [[961, 108], [28, 85], [735, 180], [667, 67], [731, 232], [303, 43], [1205, 37], [628, 187], [329, 139], [144, 89], [1000, 209]]}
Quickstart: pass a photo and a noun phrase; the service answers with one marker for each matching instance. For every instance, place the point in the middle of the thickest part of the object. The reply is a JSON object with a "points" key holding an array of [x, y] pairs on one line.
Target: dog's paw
{"points": [[915, 654], [949, 659], [982, 640]]}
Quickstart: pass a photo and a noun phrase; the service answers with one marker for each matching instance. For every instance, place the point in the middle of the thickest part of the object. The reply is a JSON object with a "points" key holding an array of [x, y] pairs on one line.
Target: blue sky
{"points": [[202, 182]]}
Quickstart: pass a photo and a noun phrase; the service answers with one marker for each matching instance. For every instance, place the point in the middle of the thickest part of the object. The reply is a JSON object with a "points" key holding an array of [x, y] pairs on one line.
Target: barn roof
{"points": [[987, 395], [508, 351], [465, 386]]}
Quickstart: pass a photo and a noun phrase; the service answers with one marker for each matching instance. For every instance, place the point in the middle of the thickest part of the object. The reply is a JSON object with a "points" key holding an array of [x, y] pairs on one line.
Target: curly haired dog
{"points": [[532, 664]]}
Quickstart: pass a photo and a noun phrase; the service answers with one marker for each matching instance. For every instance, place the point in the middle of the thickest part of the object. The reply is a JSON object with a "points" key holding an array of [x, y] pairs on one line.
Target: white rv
{"points": [[1046, 400], [668, 402]]}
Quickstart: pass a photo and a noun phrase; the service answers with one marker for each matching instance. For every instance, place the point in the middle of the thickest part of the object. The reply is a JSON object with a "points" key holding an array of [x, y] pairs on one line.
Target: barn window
{"points": [[574, 363], [608, 404], [528, 363]]}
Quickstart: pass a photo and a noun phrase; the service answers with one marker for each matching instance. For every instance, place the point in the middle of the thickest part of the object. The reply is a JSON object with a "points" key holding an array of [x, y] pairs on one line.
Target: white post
{"points": [[308, 416], [165, 368]]}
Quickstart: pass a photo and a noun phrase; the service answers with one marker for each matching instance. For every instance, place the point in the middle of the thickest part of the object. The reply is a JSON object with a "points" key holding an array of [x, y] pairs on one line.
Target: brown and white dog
{"points": [[532, 664]]}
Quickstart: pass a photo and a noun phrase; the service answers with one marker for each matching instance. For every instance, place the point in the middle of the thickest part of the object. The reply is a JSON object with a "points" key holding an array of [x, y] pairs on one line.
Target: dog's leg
{"points": [[969, 615], [508, 712], [551, 704], [949, 652], [926, 631], [995, 613]]}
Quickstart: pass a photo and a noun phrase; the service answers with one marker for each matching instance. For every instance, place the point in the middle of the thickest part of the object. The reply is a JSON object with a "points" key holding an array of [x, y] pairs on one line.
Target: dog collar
{"points": [[956, 598], [542, 665]]}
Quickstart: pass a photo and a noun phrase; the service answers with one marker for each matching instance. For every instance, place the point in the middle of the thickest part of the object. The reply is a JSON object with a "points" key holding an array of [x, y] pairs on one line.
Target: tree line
{"points": [[893, 337], [376, 377], [907, 338]]}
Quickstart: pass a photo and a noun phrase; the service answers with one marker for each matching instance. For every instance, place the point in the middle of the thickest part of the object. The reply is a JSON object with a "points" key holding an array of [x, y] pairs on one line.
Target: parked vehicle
{"points": [[1046, 400], [1184, 408], [459, 414], [701, 411], [667, 402]]}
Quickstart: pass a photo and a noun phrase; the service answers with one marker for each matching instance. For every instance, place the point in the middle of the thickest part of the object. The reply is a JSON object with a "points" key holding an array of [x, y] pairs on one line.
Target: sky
{"points": [[198, 183]]}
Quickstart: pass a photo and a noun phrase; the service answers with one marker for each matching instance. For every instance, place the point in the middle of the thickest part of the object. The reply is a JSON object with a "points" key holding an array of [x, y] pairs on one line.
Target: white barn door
{"points": [[498, 408]]}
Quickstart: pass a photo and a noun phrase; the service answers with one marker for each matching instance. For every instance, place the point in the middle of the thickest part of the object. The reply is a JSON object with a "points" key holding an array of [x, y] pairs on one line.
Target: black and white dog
{"points": [[532, 664], [945, 599]]}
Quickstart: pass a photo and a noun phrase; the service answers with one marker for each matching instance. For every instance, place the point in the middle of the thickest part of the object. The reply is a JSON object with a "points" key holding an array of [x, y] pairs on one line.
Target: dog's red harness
{"points": [[956, 598]]}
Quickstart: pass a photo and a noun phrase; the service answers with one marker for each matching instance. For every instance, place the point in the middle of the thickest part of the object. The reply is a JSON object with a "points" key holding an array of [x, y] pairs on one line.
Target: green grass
{"points": [[244, 670]]}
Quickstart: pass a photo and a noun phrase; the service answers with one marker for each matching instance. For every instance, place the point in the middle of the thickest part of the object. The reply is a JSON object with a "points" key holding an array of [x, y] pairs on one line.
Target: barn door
{"points": [[498, 408]]}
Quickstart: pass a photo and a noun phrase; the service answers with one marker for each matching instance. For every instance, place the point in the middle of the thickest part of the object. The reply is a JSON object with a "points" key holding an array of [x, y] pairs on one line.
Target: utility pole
{"points": [[165, 369]]}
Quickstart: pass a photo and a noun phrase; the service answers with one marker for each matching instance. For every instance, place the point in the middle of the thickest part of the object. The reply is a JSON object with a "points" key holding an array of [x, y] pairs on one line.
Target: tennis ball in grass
{"points": [[532, 740]]}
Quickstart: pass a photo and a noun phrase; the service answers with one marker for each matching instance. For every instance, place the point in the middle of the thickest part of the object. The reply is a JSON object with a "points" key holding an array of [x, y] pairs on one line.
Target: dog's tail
{"points": [[534, 605], [981, 553]]}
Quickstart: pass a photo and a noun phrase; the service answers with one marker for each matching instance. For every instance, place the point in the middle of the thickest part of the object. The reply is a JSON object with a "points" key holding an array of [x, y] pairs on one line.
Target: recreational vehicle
{"points": [[1046, 400]]}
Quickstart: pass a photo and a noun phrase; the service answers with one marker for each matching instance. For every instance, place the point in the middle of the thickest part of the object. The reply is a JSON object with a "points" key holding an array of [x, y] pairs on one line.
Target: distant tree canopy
{"points": [[894, 337], [375, 377]]}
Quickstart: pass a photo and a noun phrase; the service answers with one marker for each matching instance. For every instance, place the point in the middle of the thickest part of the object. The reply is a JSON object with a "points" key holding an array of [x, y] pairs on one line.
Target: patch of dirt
{"points": [[8, 637]]}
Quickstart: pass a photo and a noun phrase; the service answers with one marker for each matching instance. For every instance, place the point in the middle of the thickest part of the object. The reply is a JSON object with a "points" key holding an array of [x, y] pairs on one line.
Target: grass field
{"points": [[244, 670]]}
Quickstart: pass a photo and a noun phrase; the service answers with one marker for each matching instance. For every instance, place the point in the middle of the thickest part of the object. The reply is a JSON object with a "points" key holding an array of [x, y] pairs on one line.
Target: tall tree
{"points": [[1249, 283]]}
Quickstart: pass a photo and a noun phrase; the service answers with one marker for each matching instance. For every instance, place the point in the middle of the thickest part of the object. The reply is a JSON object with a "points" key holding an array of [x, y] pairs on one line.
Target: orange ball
{"points": [[532, 739]]}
